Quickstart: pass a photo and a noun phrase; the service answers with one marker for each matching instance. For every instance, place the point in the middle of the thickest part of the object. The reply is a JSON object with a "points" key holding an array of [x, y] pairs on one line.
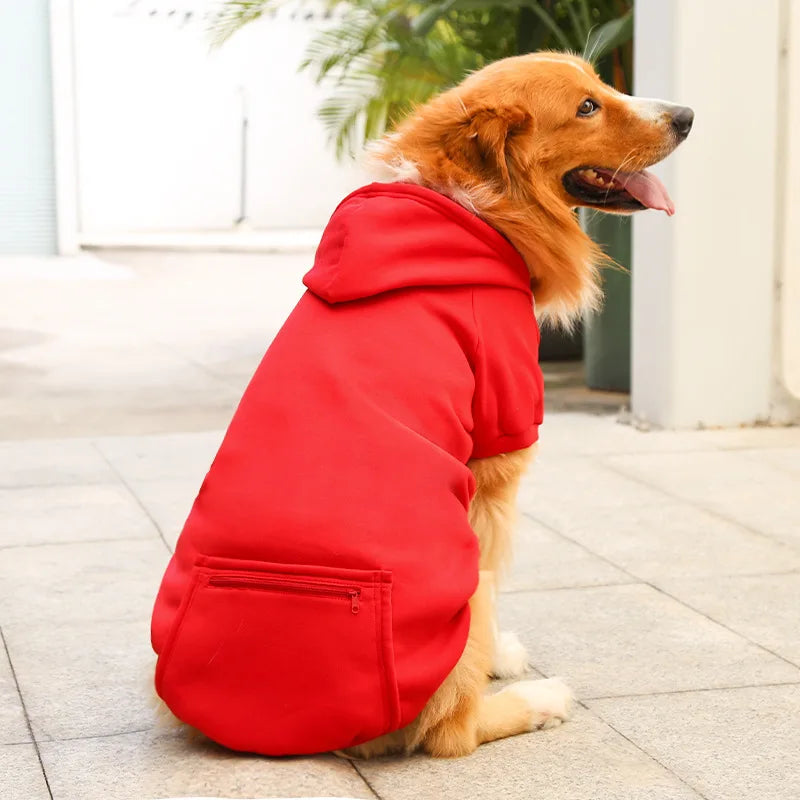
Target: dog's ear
{"points": [[481, 143]]}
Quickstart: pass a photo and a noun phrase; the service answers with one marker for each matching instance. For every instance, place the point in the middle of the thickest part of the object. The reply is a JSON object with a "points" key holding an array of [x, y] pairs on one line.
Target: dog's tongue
{"points": [[647, 189]]}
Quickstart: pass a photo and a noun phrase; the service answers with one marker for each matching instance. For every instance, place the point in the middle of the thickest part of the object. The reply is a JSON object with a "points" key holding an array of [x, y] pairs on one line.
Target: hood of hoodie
{"points": [[389, 236]]}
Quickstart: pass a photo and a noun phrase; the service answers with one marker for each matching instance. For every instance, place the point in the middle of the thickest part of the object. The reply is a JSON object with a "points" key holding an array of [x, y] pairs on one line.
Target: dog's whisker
{"points": [[628, 157], [589, 53]]}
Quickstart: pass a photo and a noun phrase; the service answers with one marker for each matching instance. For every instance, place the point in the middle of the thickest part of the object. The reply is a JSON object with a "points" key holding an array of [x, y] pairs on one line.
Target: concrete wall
{"points": [[705, 324]]}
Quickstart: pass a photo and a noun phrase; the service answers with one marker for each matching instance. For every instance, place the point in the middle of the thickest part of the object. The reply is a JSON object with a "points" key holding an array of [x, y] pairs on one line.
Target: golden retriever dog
{"points": [[520, 144]]}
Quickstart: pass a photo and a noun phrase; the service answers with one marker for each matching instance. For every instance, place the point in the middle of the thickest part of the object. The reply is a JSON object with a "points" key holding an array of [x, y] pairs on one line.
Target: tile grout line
{"points": [[711, 512], [690, 691], [25, 713], [597, 455], [645, 582], [537, 589], [779, 467], [723, 625], [366, 782], [566, 537], [580, 455], [14, 487], [646, 753], [222, 380], [70, 542], [635, 582], [99, 735], [133, 495], [774, 574]]}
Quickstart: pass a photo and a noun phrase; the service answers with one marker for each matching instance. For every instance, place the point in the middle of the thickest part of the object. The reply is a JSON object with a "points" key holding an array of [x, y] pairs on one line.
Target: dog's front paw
{"points": [[510, 656], [549, 701]]}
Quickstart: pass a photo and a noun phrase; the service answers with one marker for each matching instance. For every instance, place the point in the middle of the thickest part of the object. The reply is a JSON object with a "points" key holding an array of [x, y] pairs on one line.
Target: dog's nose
{"points": [[682, 119]]}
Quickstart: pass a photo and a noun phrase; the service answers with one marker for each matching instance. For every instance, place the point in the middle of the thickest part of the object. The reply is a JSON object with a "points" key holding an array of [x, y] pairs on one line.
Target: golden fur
{"points": [[500, 143]]}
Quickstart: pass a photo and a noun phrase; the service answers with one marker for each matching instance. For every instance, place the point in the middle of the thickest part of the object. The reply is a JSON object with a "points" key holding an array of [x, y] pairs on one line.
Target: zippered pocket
{"points": [[283, 659], [287, 586]]}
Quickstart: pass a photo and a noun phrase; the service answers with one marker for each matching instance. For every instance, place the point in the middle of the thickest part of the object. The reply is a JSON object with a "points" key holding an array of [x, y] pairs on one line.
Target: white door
{"points": [[160, 122]]}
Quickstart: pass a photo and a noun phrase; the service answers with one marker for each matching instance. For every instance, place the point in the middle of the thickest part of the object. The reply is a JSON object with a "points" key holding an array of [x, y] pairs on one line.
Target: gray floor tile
{"points": [[168, 502], [50, 514], [764, 608], [13, 728], [49, 462], [544, 560], [621, 640], [727, 744], [235, 356], [81, 582], [562, 492], [21, 775], [120, 403], [783, 458], [748, 491], [179, 456], [676, 539], [84, 680], [573, 434], [761, 436], [569, 479], [582, 760], [142, 766]]}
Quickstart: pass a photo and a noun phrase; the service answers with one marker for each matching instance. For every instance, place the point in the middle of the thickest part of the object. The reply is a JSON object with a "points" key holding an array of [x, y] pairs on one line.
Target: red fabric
{"points": [[318, 593]]}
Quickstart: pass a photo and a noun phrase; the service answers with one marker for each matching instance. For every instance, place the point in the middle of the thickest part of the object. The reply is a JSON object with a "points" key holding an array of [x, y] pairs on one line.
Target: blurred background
{"points": [[196, 127]]}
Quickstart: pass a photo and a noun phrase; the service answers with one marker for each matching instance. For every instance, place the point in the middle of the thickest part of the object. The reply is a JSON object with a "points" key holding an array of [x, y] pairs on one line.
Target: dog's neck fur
{"points": [[561, 258]]}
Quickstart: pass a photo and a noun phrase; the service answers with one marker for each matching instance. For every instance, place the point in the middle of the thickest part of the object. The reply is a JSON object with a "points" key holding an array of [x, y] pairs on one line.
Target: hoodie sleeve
{"points": [[509, 392]]}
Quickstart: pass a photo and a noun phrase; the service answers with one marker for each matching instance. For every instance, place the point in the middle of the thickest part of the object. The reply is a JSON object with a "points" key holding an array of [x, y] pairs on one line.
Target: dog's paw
{"points": [[510, 656], [549, 701]]}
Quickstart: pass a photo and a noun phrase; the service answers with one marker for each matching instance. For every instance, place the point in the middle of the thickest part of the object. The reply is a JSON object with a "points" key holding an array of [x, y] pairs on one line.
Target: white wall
{"points": [[788, 361], [704, 281], [159, 122]]}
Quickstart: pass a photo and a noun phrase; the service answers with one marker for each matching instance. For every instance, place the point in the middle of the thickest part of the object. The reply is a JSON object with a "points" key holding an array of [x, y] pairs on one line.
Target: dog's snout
{"points": [[681, 121]]}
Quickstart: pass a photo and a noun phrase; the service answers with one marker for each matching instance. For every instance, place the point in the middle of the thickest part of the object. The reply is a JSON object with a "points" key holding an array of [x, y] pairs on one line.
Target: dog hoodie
{"points": [[318, 594]]}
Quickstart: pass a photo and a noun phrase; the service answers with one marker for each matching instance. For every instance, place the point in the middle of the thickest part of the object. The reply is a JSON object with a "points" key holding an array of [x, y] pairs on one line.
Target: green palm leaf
{"points": [[234, 15], [609, 36]]}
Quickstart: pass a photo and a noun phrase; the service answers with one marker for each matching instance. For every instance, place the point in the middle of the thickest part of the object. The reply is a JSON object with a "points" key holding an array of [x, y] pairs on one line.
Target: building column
{"points": [[27, 190], [62, 58], [704, 301]]}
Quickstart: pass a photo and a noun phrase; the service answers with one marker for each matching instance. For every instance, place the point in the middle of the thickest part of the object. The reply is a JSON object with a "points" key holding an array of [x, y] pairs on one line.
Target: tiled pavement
{"points": [[645, 575], [658, 573]]}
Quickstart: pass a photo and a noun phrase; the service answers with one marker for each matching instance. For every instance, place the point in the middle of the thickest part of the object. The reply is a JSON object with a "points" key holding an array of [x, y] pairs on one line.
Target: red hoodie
{"points": [[318, 593]]}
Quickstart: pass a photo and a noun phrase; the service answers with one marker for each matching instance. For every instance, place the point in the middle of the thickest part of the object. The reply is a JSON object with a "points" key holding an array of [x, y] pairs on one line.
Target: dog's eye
{"points": [[587, 108]]}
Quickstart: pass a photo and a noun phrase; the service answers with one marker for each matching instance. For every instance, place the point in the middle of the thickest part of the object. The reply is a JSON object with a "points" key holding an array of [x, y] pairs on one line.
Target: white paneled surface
{"points": [[160, 121], [789, 287]]}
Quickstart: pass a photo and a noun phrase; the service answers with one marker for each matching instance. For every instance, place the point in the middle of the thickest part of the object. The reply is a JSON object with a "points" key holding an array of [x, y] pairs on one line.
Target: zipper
{"points": [[287, 586]]}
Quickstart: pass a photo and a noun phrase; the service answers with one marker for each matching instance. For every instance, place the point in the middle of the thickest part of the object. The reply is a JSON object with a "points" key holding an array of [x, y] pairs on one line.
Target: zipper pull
{"points": [[354, 606]]}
